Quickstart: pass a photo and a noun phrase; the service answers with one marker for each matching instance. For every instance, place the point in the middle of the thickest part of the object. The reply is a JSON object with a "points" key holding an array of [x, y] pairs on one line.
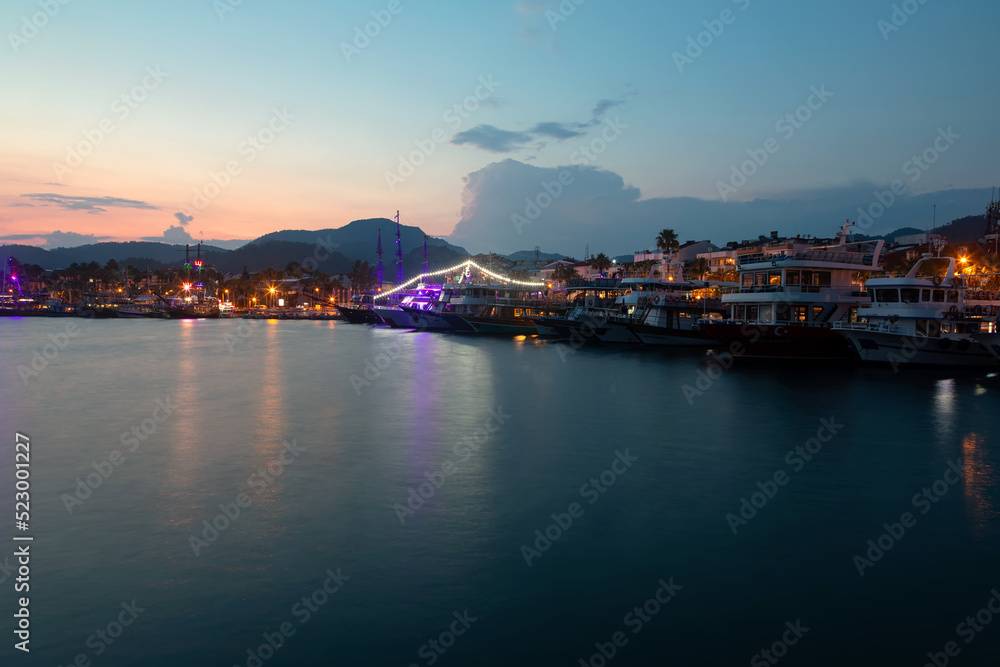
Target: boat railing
{"points": [[829, 256], [876, 327], [796, 289]]}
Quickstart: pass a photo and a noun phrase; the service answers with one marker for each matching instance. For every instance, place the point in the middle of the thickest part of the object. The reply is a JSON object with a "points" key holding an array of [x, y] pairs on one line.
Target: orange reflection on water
{"points": [[980, 477]]}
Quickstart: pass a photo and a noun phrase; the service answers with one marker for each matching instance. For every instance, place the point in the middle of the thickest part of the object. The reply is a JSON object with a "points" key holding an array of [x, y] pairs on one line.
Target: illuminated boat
{"points": [[789, 299], [359, 315], [925, 320], [422, 297]]}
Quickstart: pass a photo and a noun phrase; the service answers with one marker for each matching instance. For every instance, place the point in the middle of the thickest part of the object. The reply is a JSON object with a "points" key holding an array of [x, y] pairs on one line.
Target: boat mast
{"points": [[399, 254], [378, 266]]}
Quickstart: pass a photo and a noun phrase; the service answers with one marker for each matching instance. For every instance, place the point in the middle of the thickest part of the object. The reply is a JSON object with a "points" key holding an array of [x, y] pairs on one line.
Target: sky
{"points": [[498, 124]]}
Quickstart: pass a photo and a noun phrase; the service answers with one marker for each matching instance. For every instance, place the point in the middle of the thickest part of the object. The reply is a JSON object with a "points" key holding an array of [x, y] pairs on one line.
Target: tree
{"points": [[697, 268], [602, 263], [666, 240], [564, 273], [361, 276]]}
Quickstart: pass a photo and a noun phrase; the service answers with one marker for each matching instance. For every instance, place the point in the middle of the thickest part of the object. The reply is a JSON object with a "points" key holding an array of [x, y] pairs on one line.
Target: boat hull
{"points": [[780, 341], [359, 315], [894, 349], [396, 318], [428, 321]]}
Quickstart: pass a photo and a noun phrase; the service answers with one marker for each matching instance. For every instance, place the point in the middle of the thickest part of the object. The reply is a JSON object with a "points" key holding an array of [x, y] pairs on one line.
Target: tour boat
{"points": [[788, 300], [934, 320]]}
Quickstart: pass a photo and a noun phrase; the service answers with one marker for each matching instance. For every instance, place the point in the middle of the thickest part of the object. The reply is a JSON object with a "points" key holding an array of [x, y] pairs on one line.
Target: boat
{"points": [[788, 300], [660, 310], [590, 304], [359, 315], [421, 297], [925, 320]]}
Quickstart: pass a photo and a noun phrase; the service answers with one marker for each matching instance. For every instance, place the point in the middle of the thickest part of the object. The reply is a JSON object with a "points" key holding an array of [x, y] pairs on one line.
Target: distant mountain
{"points": [[969, 229], [358, 239], [137, 251], [529, 256], [904, 231], [334, 251]]}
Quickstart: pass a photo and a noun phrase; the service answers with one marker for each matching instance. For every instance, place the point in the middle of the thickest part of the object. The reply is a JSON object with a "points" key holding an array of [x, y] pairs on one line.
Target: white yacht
{"points": [[925, 320]]}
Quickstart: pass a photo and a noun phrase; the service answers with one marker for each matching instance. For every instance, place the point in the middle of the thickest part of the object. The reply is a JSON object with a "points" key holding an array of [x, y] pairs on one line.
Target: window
{"points": [[909, 295], [746, 280], [774, 277], [939, 296], [925, 295], [793, 277], [818, 314], [887, 295], [759, 278], [765, 314], [783, 313], [822, 278], [952, 296], [799, 313], [751, 313]]}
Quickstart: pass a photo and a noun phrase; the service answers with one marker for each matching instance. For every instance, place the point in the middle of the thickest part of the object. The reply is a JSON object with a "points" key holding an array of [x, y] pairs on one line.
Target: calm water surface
{"points": [[333, 431]]}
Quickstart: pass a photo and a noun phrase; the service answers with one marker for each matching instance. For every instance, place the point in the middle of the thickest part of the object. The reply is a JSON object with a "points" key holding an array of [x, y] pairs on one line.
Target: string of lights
{"points": [[466, 264]]}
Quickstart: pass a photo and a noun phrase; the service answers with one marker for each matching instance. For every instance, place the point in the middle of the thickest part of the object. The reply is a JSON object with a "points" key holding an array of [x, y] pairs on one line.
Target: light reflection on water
{"points": [[367, 445]]}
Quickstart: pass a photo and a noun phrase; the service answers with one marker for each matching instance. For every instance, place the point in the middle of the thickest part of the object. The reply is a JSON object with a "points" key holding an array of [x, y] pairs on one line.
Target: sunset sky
{"points": [[116, 115]]}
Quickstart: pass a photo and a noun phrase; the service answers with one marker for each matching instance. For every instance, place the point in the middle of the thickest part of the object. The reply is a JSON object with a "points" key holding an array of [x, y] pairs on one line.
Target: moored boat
{"points": [[930, 320], [789, 299]]}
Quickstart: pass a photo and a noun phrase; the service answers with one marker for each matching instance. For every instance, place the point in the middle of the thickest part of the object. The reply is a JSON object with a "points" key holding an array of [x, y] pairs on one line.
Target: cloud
{"points": [[173, 234], [58, 239], [555, 130], [92, 205], [496, 140], [596, 207], [604, 105], [183, 219], [492, 139]]}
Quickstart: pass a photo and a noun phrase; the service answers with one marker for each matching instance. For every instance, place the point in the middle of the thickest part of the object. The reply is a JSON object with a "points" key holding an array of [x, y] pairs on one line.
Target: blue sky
{"points": [[559, 79]]}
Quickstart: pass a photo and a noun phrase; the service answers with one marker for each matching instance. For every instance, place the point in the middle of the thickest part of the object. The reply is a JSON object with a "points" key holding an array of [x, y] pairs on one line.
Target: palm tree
{"points": [[602, 263], [666, 240]]}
